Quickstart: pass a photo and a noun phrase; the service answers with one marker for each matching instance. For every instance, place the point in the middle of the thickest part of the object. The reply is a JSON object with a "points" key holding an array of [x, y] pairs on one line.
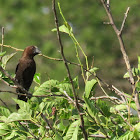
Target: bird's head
{"points": [[31, 51]]}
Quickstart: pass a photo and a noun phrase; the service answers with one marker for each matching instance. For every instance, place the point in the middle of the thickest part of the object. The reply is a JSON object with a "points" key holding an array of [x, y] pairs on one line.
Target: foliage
{"points": [[51, 112]]}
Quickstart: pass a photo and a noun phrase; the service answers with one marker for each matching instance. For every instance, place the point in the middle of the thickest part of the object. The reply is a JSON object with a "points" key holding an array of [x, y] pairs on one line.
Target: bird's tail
{"points": [[21, 97]]}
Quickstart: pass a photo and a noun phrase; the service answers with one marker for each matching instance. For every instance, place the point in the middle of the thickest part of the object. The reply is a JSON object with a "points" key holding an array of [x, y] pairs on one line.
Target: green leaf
{"points": [[121, 107], [68, 26], [16, 117], [139, 63], [4, 129], [91, 108], [90, 85], [136, 134], [2, 53], [46, 87], [126, 75], [76, 83], [127, 136], [4, 111], [65, 87], [135, 72], [12, 135], [73, 128], [75, 134], [37, 77], [42, 105], [137, 126], [24, 106], [58, 137], [138, 86], [6, 58], [47, 138], [63, 29], [92, 71], [61, 126], [104, 107]]}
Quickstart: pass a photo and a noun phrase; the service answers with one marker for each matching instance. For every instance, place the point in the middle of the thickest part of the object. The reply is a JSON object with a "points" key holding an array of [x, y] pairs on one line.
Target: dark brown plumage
{"points": [[25, 70]]}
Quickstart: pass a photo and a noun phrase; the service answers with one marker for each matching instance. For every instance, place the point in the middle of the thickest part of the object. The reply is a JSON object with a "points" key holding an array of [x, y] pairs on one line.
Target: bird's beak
{"points": [[37, 51]]}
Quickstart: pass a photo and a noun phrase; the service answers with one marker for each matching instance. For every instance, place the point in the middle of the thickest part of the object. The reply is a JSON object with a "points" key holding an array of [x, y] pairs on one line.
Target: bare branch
{"points": [[68, 71], [51, 58], [8, 46], [107, 97], [2, 37], [122, 47], [124, 20]]}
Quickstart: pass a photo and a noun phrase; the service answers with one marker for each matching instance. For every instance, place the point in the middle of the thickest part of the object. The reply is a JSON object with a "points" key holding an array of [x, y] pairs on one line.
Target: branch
{"points": [[8, 46], [27, 129], [68, 71], [107, 97], [47, 121], [125, 120], [2, 38], [122, 47], [16, 49], [124, 20], [5, 105]]}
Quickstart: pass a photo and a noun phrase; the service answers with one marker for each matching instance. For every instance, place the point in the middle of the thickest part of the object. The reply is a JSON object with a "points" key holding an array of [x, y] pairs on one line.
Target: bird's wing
{"points": [[28, 75], [17, 68]]}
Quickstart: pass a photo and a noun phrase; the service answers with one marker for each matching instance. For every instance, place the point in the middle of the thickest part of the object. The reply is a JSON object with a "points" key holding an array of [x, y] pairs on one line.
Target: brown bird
{"points": [[25, 70]]}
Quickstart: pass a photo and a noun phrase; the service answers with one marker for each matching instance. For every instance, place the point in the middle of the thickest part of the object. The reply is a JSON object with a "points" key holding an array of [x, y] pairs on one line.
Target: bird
{"points": [[25, 71]]}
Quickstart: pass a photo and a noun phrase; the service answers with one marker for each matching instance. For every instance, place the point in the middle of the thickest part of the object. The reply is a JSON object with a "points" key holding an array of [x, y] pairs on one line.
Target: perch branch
{"points": [[110, 87], [15, 82]]}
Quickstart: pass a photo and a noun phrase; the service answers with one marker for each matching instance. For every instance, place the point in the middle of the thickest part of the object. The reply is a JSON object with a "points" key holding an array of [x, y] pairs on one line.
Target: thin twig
{"points": [[5, 105], [124, 20], [51, 58], [8, 46], [69, 74], [47, 121], [2, 37], [107, 97], [70, 99], [27, 130], [125, 120], [12, 86]]}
